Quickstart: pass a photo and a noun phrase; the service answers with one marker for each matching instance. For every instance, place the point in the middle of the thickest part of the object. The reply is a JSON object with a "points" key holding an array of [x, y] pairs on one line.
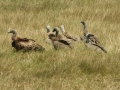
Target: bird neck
{"points": [[63, 30], [84, 26], [57, 32], [14, 36], [85, 33]]}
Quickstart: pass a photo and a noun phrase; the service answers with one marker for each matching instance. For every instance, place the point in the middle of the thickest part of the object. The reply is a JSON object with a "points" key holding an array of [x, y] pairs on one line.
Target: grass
{"points": [[76, 69]]}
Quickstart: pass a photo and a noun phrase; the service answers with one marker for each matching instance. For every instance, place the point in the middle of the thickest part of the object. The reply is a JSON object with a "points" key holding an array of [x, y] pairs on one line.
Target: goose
{"points": [[57, 40], [92, 37], [24, 43], [66, 34]]}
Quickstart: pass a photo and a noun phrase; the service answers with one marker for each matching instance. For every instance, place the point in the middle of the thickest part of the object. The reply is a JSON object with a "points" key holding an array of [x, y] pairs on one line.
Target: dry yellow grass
{"points": [[76, 69]]}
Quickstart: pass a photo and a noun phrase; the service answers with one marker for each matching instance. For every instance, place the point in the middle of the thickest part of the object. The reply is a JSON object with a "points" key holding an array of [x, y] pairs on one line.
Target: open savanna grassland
{"points": [[66, 69]]}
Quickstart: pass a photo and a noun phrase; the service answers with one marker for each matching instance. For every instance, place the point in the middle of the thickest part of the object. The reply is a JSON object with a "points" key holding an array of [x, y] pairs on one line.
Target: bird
{"points": [[91, 40], [24, 44], [92, 37], [58, 41], [67, 35]]}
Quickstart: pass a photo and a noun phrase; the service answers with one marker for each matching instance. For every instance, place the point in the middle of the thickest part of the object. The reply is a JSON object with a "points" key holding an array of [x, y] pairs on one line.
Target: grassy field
{"points": [[76, 69]]}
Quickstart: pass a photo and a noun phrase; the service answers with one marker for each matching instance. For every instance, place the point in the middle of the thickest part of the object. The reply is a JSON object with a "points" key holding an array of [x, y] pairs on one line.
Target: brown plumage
{"points": [[92, 37], [52, 36], [24, 43], [67, 35], [91, 40], [92, 45], [57, 40]]}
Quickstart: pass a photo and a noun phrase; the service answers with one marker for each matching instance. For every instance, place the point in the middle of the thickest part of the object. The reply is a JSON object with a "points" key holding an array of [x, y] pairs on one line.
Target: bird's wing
{"points": [[26, 42], [70, 36], [92, 38], [95, 40], [64, 42]]}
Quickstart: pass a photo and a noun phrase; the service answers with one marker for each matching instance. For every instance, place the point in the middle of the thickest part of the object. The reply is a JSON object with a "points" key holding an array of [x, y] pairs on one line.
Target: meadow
{"points": [[66, 69]]}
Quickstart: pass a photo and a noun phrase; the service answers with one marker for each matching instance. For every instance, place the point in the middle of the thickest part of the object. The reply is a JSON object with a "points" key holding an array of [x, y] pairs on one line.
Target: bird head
{"points": [[12, 31], [83, 23]]}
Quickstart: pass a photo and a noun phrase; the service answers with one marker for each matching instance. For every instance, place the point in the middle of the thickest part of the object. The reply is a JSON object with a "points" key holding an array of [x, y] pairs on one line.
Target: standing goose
{"points": [[92, 37], [67, 35], [58, 42], [24, 43]]}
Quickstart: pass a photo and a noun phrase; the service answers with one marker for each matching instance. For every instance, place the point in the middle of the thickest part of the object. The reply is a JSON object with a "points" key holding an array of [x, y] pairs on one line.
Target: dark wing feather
{"points": [[93, 38], [96, 40], [17, 45], [63, 41]]}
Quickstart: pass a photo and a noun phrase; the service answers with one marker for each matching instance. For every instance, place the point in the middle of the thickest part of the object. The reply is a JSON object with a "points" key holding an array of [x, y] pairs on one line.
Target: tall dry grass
{"points": [[76, 69]]}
